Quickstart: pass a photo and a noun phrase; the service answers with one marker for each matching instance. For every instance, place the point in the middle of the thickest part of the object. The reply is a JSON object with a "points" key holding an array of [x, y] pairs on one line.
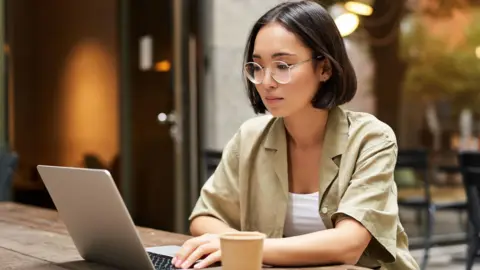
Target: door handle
{"points": [[164, 118], [170, 119]]}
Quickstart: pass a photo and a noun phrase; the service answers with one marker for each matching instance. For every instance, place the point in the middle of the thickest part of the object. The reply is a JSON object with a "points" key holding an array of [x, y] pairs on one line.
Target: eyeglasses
{"points": [[280, 71]]}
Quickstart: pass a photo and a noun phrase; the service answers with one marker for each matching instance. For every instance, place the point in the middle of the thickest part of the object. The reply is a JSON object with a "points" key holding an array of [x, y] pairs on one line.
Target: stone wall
{"points": [[227, 105]]}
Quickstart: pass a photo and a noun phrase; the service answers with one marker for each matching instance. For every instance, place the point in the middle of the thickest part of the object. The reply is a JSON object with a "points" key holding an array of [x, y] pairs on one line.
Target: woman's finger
{"points": [[210, 259], [187, 248], [198, 253]]}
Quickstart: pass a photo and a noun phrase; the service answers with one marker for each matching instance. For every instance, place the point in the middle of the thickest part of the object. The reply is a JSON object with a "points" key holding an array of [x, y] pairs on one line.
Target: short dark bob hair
{"points": [[310, 22]]}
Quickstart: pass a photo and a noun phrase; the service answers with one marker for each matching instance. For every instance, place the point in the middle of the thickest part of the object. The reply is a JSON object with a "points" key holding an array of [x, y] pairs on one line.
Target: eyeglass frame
{"points": [[321, 57]]}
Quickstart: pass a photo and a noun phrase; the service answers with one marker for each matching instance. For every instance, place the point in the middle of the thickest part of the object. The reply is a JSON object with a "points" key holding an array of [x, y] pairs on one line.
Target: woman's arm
{"points": [[206, 224], [366, 218], [344, 244]]}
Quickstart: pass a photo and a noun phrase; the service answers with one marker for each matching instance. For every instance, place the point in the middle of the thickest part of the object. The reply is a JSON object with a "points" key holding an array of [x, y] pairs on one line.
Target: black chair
{"points": [[469, 159], [470, 168], [8, 165], [418, 160]]}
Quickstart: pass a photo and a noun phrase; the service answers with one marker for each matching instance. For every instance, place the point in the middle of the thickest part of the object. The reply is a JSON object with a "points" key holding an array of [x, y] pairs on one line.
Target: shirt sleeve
{"points": [[219, 196], [371, 199]]}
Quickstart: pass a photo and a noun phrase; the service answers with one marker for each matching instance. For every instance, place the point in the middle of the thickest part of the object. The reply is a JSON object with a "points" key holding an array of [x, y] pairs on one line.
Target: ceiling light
{"points": [[347, 23], [360, 7]]}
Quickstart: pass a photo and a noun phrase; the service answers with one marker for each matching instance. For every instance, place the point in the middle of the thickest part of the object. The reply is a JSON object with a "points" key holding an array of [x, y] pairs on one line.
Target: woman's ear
{"points": [[324, 70], [327, 71]]}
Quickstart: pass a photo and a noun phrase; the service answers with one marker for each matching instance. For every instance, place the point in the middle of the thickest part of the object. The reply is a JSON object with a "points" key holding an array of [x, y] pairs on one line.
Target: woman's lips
{"points": [[273, 100]]}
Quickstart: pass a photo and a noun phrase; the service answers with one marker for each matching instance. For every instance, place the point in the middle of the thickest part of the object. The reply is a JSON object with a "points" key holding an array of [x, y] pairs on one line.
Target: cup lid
{"points": [[242, 236]]}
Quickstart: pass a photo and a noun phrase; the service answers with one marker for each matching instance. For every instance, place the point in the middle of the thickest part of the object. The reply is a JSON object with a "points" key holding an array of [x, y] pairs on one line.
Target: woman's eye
{"points": [[282, 66]]}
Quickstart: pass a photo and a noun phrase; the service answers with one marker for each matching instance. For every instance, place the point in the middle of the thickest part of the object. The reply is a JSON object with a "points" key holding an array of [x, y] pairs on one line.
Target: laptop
{"points": [[98, 221]]}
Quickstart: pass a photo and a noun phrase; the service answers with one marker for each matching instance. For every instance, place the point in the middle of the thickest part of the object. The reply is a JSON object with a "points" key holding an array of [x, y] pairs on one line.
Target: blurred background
{"points": [[152, 90]]}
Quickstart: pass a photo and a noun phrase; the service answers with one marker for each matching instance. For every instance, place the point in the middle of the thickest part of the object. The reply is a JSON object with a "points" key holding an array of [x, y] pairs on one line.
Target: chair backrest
{"points": [[471, 180], [469, 159], [413, 159], [8, 164], [418, 161]]}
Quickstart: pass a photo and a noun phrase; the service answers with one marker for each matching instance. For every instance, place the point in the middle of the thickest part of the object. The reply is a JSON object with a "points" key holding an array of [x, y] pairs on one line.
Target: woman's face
{"points": [[275, 43]]}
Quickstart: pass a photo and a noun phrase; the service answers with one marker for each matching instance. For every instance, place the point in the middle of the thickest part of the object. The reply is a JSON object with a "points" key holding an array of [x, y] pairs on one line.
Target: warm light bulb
{"points": [[477, 52], [163, 66], [347, 23], [359, 8]]}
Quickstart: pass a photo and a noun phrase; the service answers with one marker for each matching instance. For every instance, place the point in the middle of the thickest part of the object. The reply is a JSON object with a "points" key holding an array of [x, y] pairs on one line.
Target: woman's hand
{"points": [[207, 245]]}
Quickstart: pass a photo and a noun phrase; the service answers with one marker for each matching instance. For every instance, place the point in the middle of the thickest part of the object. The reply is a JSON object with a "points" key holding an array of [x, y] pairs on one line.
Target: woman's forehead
{"points": [[273, 39]]}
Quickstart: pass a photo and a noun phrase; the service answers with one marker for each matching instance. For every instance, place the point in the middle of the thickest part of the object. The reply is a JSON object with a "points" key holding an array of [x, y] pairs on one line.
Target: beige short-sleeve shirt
{"points": [[249, 189]]}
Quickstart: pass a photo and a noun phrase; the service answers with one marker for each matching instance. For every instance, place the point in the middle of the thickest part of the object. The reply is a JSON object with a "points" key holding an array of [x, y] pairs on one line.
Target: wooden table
{"points": [[35, 238]]}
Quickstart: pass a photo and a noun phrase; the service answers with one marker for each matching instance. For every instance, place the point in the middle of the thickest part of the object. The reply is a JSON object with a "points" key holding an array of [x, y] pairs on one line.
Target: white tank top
{"points": [[302, 215]]}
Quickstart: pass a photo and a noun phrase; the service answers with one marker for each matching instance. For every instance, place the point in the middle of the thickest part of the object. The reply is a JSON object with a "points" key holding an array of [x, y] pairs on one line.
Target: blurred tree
{"points": [[383, 27], [441, 8], [437, 72]]}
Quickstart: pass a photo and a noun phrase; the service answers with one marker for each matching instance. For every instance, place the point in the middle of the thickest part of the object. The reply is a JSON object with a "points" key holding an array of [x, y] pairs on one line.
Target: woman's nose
{"points": [[268, 80]]}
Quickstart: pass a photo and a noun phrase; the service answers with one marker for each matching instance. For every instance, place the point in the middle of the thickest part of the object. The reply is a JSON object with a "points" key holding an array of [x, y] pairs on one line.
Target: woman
{"points": [[316, 179]]}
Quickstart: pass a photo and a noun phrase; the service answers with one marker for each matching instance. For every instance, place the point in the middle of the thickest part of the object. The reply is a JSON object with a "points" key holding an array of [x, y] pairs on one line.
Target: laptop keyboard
{"points": [[161, 262]]}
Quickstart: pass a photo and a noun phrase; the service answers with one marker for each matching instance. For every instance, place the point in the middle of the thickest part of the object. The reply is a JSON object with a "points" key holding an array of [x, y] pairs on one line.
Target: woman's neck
{"points": [[307, 127]]}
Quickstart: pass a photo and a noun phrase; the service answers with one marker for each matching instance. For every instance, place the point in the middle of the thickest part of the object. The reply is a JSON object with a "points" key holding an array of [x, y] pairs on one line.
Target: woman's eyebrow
{"points": [[277, 54], [280, 54]]}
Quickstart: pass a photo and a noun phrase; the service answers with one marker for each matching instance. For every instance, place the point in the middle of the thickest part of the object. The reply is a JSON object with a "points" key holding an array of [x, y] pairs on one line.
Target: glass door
{"points": [[159, 111]]}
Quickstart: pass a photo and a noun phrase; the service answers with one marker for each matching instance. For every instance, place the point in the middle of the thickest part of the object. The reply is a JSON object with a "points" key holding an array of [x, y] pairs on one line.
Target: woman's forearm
{"points": [[206, 224], [324, 247]]}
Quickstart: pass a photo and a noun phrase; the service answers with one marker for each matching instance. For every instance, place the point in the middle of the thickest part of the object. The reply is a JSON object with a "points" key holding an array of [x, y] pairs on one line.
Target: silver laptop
{"points": [[98, 221]]}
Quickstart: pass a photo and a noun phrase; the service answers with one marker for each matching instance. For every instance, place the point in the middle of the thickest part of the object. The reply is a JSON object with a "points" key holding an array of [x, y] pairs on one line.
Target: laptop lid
{"points": [[95, 215]]}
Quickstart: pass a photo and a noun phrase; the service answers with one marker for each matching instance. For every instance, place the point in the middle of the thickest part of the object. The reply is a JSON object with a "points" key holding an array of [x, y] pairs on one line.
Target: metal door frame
{"points": [[179, 88], [185, 86]]}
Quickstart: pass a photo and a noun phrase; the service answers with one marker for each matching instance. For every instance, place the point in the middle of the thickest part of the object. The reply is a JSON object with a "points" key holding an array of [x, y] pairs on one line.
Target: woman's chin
{"points": [[276, 112]]}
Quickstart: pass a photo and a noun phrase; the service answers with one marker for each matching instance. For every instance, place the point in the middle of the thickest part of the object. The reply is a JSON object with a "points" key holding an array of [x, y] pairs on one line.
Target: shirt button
{"points": [[324, 210]]}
